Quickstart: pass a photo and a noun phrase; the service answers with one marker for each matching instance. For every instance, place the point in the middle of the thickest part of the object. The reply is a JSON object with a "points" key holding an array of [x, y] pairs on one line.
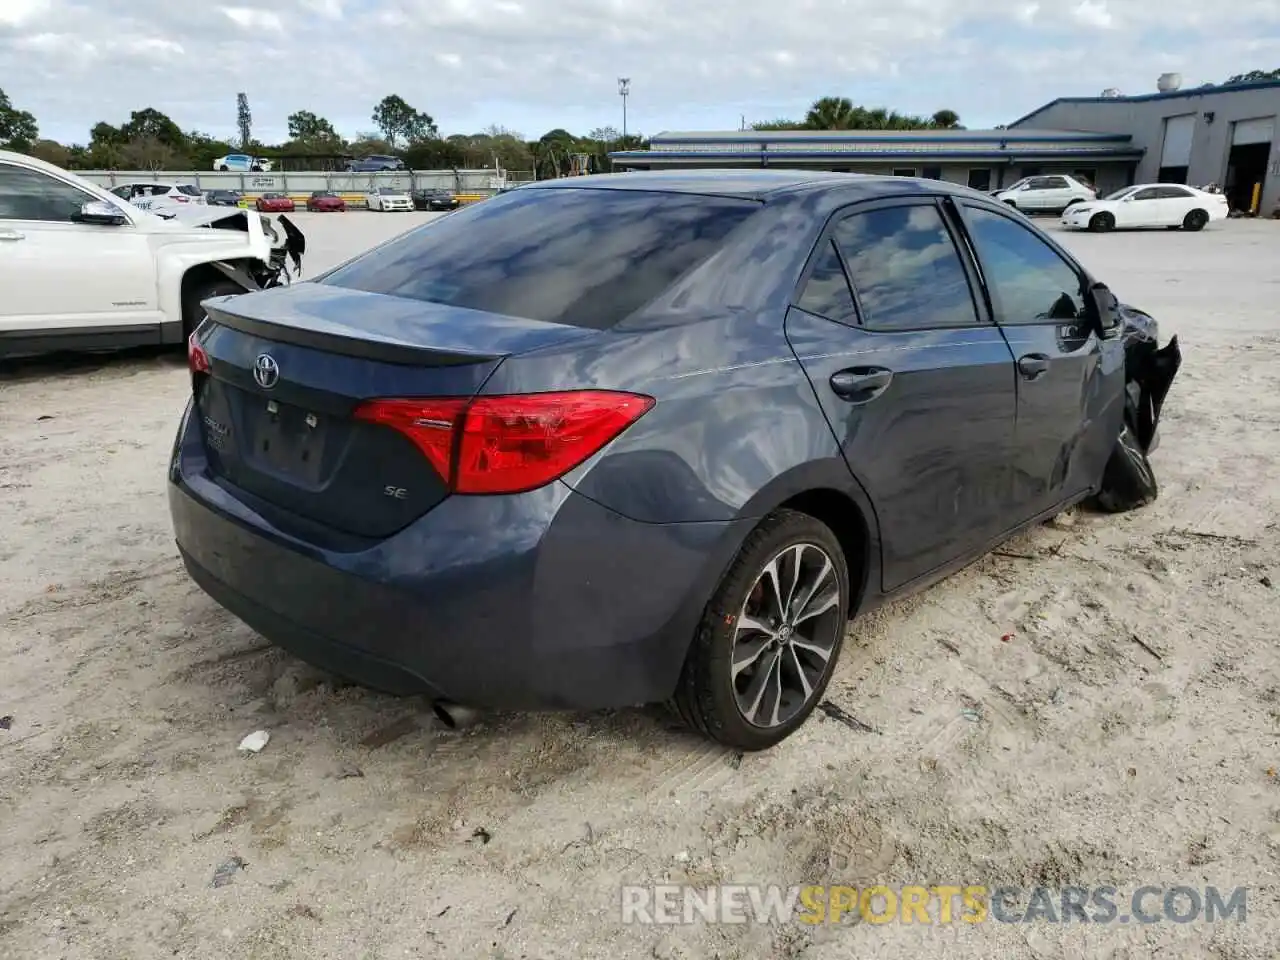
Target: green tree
{"points": [[400, 122], [946, 120], [18, 128], [1255, 75], [50, 151], [833, 113], [780, 124], [151, 124], [306, 127]]}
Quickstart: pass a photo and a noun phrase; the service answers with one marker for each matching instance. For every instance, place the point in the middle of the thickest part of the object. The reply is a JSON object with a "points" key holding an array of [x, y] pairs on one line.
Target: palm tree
{"points": [[947, 120], [832, 113]]}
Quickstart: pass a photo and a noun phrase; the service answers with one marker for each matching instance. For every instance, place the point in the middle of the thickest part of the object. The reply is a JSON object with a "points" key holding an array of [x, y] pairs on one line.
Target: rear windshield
{"points": [[588, 258]]}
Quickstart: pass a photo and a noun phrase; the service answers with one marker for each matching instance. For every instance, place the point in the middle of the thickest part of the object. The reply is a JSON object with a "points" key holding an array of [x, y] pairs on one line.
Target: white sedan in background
{"points": [[1168, 205], [389, 198]]}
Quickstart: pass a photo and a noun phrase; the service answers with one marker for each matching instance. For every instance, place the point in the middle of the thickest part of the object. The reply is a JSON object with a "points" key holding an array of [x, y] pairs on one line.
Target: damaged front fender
{"points": [[1128, 482]]}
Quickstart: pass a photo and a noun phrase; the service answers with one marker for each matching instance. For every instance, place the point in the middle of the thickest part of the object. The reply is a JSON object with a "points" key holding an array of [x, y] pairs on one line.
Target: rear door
{"points": [[1069, 381], [1056, 194], [916, 381]]}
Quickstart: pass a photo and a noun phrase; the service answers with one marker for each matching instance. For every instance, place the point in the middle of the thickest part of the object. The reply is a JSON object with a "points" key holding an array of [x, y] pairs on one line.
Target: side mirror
{"points": [[1104, 310], [102, 213]]}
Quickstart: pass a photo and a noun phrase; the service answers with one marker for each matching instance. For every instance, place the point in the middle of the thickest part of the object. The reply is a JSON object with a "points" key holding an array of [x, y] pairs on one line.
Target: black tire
{"points": [[1195, 220], [223, 168], [707, 696], [193, 313], [1128, 482], [1102, 222]]}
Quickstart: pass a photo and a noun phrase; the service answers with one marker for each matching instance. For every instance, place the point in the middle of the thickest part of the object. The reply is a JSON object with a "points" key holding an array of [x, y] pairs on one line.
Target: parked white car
{"points": [[242, 162], [1048, 194], [159, 197], [83, 269], [389, 198], [1149, 205]]}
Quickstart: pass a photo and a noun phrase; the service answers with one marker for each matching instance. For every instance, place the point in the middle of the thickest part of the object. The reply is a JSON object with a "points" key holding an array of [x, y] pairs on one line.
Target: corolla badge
{"points": [[265, 371]]}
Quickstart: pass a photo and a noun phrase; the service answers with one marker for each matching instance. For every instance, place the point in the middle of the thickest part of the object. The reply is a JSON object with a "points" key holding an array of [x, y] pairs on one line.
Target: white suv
{"points": [[1047, 194], [159, 197]]}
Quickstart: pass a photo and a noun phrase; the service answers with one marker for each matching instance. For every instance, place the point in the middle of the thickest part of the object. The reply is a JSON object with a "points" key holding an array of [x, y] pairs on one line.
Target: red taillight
{"points": [[197, 359], [509, 444]]}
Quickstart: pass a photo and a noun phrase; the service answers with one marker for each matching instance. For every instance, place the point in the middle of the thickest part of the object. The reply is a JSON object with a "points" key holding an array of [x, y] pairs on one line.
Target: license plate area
{"points": [[285, 440]]}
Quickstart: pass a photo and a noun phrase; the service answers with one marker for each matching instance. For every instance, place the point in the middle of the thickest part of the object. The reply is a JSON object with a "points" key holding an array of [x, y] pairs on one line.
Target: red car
{"points": [[322, 201], [274, 203]]}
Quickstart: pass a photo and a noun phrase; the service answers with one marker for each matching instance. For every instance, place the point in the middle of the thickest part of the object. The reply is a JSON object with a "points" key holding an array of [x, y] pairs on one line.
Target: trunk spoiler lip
{"points": [[297, 322]]}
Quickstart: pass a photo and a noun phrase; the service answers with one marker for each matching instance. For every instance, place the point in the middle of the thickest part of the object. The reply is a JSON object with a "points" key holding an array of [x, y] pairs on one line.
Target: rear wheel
{"points": [[193, 314], [769, 639], [1102, 222], [1195, 220]]}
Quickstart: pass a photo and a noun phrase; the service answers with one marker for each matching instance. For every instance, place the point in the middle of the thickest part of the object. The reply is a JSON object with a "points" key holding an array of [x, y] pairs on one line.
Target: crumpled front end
{"points": [[274, 245]]}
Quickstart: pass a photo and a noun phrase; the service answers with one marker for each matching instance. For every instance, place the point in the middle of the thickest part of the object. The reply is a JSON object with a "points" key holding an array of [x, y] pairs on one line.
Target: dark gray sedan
{"points": [[613, 440]]}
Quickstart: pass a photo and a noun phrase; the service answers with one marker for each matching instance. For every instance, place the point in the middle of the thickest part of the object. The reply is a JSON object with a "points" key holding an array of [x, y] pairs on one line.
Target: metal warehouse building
{"points": [[1224, 135], [983, 159]]}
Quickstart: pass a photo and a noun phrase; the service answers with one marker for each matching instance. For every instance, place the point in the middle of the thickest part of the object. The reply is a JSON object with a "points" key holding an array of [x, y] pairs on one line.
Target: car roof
{"points": [[749, 184]]}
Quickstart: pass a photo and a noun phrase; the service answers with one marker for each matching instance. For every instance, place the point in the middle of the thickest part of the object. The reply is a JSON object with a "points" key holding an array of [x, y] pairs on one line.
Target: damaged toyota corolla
{"points": [[82, 269], [616, 440]]}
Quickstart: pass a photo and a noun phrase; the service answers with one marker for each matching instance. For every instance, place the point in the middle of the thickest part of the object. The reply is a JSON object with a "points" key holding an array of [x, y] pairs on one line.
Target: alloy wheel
{"points": [[785, 635]]}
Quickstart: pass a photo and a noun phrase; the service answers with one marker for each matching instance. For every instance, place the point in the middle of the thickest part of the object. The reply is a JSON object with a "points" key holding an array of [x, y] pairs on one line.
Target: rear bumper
{"points": [[544, 600]]}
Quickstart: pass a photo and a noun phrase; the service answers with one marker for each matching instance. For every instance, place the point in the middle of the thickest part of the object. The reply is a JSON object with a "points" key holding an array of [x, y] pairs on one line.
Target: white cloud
{"points": [[252, 19], [18, 13], [532, 65], [1092, 13]]}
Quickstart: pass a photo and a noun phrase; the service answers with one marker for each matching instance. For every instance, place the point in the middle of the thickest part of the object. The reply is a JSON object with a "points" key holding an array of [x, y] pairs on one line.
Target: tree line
{"points": [[151, 140]]}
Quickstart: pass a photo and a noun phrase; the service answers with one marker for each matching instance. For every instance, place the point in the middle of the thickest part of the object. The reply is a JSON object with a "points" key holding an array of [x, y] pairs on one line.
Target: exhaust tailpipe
{"points": [[454, 715]]}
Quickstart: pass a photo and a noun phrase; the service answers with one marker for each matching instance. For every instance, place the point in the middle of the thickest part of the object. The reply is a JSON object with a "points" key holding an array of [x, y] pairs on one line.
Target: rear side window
{"points": [[905, 269], [588, 258], [189, 190], [827, 291]]}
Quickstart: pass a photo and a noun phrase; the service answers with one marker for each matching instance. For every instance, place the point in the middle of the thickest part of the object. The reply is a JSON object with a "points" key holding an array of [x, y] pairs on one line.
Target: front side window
{"points": [[1038, 183], [905, 268], [587, 258], [1151, 193], [1029, 280], [33, 195]]}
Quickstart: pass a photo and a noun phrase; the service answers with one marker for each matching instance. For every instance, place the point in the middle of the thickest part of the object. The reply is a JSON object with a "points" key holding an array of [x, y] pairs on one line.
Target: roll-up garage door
{"points": [[1253, 131], [1177, 141]]}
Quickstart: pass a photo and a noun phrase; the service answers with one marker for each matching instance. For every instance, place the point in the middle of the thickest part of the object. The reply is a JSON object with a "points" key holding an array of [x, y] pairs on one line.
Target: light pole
{"points": [[624, 90]]}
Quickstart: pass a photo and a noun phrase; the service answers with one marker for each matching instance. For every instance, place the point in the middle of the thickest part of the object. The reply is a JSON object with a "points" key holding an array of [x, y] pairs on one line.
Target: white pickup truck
{"points": [[81, 269]]}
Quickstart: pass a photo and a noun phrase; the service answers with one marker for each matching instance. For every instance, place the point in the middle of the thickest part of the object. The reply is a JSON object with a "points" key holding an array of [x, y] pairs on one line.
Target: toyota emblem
{"points": [[265, 371]]}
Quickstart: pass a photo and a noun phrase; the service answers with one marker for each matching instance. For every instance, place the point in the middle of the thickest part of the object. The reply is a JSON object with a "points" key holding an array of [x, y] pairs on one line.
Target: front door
{"points": [[915, 380], [61, 276], [1142, 208], [1070, 382]]}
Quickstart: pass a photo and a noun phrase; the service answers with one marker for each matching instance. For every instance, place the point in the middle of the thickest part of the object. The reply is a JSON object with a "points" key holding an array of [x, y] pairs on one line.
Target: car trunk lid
{"points": [[286, 370]]}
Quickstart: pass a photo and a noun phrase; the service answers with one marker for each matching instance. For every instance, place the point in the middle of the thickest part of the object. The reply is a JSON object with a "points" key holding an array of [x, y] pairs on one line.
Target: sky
{"points": [[534, 65]]}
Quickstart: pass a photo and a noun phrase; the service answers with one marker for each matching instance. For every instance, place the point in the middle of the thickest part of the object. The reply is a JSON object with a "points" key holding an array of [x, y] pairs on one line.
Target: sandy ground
{"points": [[1124, 734]]}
